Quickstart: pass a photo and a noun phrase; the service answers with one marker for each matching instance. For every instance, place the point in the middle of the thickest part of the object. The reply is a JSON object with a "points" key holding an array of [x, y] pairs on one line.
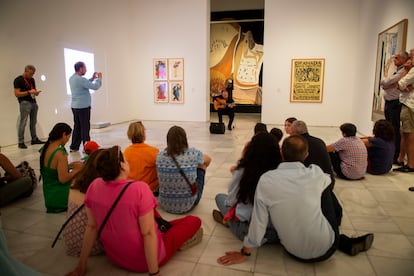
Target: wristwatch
{"points": [[244, 253]]}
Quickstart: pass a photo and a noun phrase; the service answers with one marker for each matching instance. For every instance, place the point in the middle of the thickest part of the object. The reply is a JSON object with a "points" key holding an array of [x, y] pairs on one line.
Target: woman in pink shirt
{"points": [[130, 236]]}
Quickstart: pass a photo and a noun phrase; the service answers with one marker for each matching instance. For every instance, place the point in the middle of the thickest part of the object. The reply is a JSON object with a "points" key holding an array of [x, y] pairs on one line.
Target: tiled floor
{"points": [[379, 204]]}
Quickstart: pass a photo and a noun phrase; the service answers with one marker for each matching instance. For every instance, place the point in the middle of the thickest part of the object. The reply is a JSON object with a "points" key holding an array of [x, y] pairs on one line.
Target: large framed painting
{"points": [[306, 81], [390, 42]]}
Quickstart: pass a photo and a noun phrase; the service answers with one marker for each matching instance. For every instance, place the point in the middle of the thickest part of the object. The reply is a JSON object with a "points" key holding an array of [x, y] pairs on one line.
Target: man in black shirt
{"points": [[224, 106], [26, 92]]}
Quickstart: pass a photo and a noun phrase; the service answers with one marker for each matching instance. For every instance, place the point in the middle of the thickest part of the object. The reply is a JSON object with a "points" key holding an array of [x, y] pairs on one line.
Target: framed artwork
{"points": [[176, 92], [390, 42], [160, 69], [176, 69], [306, 81], [161, 91]]}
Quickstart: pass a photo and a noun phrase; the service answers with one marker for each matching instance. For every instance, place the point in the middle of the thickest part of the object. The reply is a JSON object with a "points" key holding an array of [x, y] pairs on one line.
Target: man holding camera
{"points": [[81, 103]]}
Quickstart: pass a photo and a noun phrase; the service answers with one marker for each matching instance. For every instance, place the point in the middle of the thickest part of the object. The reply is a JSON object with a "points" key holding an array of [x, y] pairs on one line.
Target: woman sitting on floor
{"points": [[261, 155], [380, 148], [141, 156], [55, 170], [130, 236], [76, 227], [175, 193]]}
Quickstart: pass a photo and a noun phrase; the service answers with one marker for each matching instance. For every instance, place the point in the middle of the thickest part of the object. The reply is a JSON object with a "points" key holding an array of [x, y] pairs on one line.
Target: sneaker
{"points": [[22, 146], [218, 217], [361, 244], [194, 240], [37, 142]]}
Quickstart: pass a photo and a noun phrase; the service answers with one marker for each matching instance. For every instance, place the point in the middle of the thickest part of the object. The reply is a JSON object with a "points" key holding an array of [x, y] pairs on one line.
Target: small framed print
{"points": [[176, 69], [161, 91], [176, 92], [160, 69]]}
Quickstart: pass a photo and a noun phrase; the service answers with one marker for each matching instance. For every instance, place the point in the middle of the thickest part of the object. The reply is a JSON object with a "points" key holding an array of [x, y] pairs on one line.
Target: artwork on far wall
{"points": [[161, 91], [168, 74], [175, 69], [160, 69], [236, 54], [306, 81], [176, 91], [390, 42]]}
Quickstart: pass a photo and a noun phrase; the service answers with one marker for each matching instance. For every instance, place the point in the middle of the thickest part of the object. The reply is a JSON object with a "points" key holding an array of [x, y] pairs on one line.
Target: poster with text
{"points": [[307, 80]]}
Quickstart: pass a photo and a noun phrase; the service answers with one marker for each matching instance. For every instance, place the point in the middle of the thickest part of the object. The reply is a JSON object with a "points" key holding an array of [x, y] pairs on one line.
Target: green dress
{"points": [[56, 194]]}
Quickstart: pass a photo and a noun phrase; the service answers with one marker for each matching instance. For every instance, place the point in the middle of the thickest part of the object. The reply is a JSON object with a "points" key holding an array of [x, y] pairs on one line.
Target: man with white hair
{"points": [[405, 85]]}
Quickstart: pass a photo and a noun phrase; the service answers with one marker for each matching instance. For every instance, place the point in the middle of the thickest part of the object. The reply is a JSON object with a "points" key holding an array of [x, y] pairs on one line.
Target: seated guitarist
{"points": [[224, 106]]}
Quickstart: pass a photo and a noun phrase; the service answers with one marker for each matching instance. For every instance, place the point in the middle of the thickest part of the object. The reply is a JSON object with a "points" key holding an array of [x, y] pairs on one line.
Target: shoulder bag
{"points": [[103, 222], [194, 186]]}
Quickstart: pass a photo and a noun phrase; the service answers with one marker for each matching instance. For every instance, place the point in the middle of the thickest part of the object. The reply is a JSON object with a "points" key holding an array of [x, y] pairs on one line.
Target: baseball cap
{"points": [[90, 147]]}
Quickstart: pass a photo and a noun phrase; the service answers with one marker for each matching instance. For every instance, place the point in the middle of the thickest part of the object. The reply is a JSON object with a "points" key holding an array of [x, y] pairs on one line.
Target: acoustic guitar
{"points": [[222, 103]]}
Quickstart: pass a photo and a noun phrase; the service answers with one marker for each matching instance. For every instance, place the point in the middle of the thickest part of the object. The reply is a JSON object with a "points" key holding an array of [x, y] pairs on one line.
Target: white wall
{"points": [[345, 33], [125, 36]]}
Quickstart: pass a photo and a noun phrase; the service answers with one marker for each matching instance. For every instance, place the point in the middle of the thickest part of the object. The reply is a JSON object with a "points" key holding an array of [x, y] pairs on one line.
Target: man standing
{"points": [[225, 106], [407, 117], [300, 205], [392, 108], [25, 91], [81, 103]]}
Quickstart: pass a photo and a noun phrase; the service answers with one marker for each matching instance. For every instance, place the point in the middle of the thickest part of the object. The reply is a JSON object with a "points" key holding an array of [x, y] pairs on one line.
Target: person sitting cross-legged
{"points": [[299, 203]]}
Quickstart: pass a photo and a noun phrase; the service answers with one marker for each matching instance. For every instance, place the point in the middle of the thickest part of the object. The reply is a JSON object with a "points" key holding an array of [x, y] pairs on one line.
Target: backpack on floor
{"points": [[25, 170], [217, 128]]}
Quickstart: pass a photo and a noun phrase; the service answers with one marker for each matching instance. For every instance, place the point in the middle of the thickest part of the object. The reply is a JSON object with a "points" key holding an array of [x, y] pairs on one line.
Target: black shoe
{"points": [[22, 146], [411, 189], [404, 169], [361, 244], [37, 142], [395, 162], [230, 128]]}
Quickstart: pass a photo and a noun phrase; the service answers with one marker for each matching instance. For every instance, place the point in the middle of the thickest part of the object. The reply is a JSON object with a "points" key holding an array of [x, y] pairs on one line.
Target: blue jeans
{"points": [[200, 182], [81, 128], [241, 228], [27, 109]]}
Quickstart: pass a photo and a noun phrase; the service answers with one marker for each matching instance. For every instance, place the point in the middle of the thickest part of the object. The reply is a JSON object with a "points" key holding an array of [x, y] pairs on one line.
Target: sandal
{"points": [[194, 240], [218, 217]]}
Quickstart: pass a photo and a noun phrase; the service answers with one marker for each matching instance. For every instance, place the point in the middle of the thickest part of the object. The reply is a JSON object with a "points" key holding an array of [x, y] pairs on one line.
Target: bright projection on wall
{"points": [[73, 56]]}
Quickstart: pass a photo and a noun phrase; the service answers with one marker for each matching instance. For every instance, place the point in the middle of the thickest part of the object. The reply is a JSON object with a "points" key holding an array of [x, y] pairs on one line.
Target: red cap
{"points": [[90, 147]]}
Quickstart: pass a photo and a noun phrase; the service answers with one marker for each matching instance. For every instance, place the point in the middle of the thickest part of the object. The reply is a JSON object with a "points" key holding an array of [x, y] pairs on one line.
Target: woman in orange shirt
{"points": [[141, 156]]}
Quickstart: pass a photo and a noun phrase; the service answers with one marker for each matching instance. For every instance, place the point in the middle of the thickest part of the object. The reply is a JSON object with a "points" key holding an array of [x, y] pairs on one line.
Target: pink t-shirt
{"points": [[121, 235]]}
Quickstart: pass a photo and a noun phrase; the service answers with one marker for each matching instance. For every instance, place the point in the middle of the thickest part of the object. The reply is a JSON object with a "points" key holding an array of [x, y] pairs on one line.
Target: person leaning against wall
{"points": [[81, 103], [26, 93]]}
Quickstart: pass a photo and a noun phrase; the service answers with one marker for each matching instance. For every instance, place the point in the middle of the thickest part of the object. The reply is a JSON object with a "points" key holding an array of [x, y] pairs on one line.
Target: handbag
{"points": [[194, 186], [103, 222], [163, 225]]}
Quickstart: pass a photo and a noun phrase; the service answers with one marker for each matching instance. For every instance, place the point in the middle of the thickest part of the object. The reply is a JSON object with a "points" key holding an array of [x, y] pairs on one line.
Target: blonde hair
{"points": [[136, 132]]}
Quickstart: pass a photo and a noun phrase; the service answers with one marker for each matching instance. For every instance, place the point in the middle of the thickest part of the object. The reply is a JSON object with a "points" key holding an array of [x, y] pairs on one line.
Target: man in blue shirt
{"points": [[81, 103]]}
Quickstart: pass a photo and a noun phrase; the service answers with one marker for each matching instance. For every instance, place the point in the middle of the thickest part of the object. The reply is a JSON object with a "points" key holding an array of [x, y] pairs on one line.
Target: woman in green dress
{"points": [[56, 172]]}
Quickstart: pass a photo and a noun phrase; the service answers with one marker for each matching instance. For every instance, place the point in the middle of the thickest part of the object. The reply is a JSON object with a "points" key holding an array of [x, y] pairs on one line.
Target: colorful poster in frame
{"points": [[160, 69], [176, 92], [161, 91], [306, 83], [176, 69]]}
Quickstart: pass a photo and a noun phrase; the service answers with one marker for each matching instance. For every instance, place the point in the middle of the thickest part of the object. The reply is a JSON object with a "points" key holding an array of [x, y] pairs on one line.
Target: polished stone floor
{"points": [[378, 204]]}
